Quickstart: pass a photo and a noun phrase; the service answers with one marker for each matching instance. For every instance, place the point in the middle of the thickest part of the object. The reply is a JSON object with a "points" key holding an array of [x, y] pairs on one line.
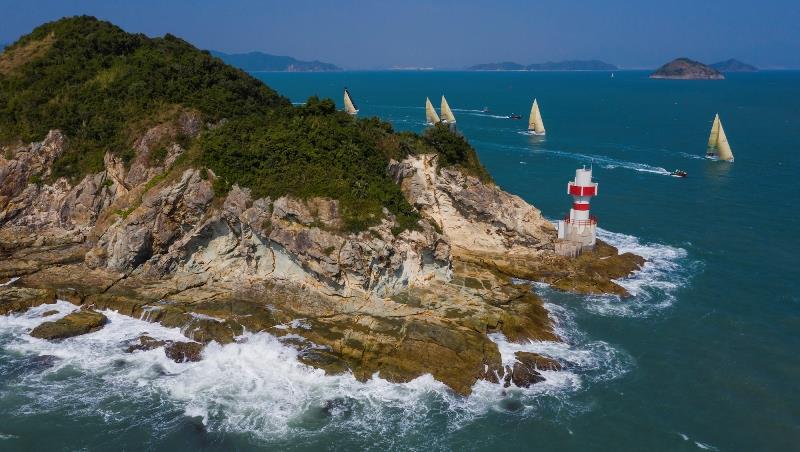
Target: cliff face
{"points": [[158, 244]]}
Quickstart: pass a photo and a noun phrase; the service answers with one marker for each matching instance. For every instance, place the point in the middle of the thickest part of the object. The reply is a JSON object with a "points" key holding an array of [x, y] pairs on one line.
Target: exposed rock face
{"points": [[80, 322], [686, 69], [183, 352], [474, 217], [160, 247]]}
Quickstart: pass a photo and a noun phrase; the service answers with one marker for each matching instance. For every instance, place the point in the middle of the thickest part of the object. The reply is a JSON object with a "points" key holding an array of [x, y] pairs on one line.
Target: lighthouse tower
{"points": [[579, 229]]}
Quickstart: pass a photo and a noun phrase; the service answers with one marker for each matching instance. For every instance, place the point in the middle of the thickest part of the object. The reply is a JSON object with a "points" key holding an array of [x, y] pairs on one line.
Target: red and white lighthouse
{"points": [[580, 227]]}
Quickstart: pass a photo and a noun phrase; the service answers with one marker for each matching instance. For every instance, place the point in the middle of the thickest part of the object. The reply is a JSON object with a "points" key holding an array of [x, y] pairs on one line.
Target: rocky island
{"points": [[686, 69], [144, 176]]}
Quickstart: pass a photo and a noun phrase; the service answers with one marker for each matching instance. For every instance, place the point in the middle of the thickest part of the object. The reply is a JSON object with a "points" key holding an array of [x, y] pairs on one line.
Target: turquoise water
{"points": [[704, 356]]}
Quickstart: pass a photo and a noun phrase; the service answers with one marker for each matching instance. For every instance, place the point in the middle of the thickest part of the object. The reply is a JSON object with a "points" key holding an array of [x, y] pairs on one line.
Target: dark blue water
{"points": [[704, 356]]}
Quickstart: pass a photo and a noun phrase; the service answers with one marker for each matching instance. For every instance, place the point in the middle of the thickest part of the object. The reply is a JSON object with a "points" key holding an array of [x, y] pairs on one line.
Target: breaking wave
{"points": [[256, 387], [666, 270]]}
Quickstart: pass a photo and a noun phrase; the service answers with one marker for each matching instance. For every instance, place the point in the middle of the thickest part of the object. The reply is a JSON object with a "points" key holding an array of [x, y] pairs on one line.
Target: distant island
{"points": [[734, 65], [259, 61], [570, 65], [686, 69]]}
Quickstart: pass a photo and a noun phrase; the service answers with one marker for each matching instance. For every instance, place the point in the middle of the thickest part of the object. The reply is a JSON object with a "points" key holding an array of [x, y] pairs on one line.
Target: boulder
{"points": [[144, 343], [80, 322], [182, 352]]}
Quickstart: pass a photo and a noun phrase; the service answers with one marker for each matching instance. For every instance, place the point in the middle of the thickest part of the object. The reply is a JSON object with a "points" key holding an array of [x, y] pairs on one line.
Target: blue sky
{"points": [[446, 33]]}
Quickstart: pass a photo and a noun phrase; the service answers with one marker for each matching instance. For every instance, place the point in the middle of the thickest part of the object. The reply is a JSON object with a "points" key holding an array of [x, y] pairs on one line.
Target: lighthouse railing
{"points": [[591, 221]]}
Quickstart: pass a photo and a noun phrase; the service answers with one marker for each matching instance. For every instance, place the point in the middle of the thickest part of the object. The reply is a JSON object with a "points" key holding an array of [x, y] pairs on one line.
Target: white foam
{"points": [[653, 288], [10, 281], [257, 386], [704, 446], [206, 317]]}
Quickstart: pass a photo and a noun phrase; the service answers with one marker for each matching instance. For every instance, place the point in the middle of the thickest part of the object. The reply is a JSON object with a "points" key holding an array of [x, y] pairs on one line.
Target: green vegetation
{"points": [[92, 80], [103, 88]]}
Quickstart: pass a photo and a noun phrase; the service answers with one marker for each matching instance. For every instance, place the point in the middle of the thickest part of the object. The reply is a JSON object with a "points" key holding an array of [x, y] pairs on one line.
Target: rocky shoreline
{"points": [[154, 242]]}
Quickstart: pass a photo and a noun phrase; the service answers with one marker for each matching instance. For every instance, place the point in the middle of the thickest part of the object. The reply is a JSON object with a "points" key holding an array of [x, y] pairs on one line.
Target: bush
{"points": [[103, 87]]}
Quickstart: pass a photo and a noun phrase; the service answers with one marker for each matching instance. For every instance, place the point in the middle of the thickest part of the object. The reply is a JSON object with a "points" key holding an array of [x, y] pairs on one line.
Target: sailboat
{"points": [[535, 123], [431, 118], [447, 114], [349, 106], [718, 146]]}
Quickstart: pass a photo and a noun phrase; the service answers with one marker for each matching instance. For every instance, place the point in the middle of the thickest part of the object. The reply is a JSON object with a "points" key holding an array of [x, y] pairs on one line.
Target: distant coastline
{"points": [[265, 62], [569, 65]]}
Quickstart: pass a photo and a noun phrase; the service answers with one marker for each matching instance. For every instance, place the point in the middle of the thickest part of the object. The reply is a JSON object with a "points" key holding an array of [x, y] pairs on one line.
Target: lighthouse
{"points": [[577, 232]]}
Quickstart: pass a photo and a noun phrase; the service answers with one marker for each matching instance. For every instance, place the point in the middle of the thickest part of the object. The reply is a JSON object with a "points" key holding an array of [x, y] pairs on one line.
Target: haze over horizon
{"points": [[450, 34]]}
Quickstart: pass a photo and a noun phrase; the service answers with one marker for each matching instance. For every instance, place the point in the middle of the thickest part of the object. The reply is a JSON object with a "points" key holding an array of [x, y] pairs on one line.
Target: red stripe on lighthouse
{"points": [[579, 190], [577, 206]]}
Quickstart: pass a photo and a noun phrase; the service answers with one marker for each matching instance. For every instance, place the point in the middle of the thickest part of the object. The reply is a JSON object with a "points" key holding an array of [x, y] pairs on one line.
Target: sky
{"points": [[453, 34]]}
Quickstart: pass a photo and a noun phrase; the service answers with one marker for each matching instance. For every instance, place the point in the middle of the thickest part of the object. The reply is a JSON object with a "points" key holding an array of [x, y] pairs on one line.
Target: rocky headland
{"points": [[414, 289]]}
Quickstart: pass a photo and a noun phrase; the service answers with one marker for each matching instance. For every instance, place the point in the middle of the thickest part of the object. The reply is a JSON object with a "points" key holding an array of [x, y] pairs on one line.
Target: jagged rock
{"points": [[75, 324], [144, 343], [19, 299], [536, 361], [524, 372], [399, 304], [183, 352], [49, 313]]}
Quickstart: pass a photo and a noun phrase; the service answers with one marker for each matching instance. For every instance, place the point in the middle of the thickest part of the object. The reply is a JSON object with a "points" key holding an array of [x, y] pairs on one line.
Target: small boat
{"points": [[679, 173], [514, 116], [485, 110], [349, 106], [535, 123], [431, 118], [447, 113], [718, 146]]}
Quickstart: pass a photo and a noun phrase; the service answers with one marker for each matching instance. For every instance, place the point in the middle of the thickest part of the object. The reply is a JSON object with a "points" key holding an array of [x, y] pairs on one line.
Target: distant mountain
{"points": [[686, 69], [734, 65], [504, 66], [258, 61], [571, 65]]}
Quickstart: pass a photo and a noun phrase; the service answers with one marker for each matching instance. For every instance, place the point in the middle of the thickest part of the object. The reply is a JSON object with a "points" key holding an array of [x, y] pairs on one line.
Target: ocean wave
{"points": [[257, 387], [652, 289]]}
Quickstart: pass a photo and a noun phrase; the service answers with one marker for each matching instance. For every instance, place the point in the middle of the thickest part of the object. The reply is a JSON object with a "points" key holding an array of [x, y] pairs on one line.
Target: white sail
{"points": [[447, 114], [349, 107], [535, 123], [430, 113], [718, 145], [723, 147], [712, 138]]}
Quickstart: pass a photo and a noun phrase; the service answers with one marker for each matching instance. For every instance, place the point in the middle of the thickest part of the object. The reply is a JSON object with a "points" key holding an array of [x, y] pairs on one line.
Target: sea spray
{"points": [[257, 387], [666, 270]]}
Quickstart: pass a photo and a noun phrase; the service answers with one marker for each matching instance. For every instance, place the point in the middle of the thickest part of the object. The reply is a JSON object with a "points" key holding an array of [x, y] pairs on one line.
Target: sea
{"points": [[702, 356]]}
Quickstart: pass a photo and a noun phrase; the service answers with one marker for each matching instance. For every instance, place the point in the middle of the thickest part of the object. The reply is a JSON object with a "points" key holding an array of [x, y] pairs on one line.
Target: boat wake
{"points": [[606, 162], [258, 388], [692, 156]]}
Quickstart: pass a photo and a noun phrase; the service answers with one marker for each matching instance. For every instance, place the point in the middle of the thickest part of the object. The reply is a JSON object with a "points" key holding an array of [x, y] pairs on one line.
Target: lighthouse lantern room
{"points": [[577, 232]]}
